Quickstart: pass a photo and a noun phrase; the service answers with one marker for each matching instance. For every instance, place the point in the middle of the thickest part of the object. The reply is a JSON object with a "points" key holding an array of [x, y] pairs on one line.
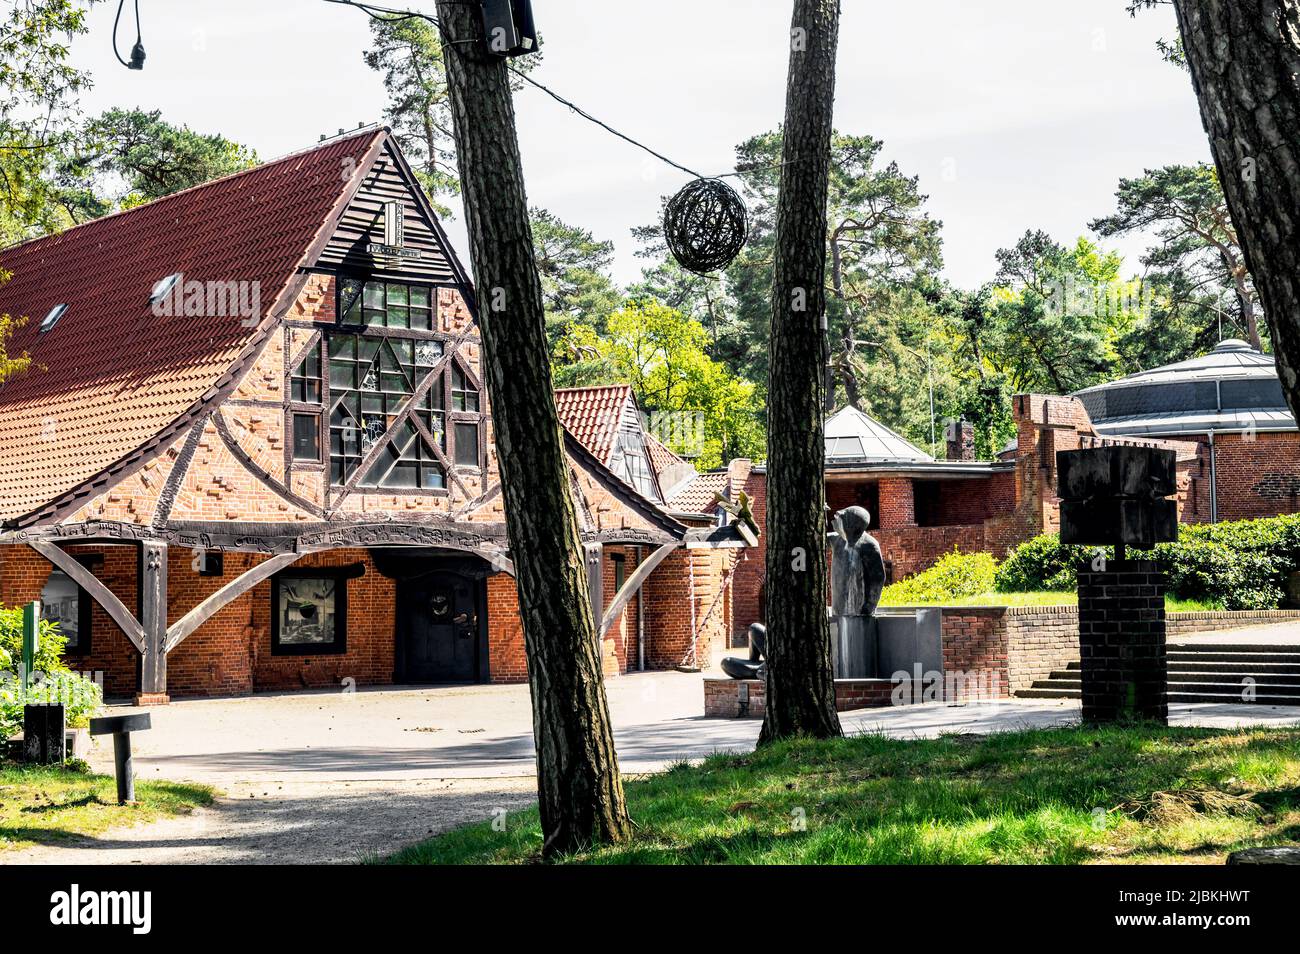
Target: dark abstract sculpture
{"points": [[756, 666], [857, 579], [705, 225]]}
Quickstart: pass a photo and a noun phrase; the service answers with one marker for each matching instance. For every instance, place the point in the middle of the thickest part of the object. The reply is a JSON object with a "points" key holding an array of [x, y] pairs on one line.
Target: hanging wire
{"points": [[390, 15], [118, 17]]}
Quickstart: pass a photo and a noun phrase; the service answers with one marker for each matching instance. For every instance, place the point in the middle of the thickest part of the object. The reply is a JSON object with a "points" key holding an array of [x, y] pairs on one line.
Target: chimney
{"points": [[961, 441]]}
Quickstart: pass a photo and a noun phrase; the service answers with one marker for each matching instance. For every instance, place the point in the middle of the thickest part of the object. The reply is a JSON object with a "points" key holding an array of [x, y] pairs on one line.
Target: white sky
{"points": [[1015, 114]]}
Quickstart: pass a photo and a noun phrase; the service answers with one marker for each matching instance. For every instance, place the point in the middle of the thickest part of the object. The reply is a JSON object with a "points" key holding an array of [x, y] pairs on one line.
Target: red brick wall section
{"points": [[913, 549], [1259, 477], [507, 660], [1039, 641], [897, 504], [679, 594], [747, 587], [723, 697], [975, 652]]}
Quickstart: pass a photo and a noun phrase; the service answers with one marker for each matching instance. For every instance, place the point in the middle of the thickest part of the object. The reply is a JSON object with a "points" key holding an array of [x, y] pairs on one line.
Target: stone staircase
{"points": [[1226, 672]]}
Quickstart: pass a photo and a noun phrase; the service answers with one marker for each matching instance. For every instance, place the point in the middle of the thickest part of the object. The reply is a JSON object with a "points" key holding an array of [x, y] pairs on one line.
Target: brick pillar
{"points": [[897, 503], [1122, 642]]}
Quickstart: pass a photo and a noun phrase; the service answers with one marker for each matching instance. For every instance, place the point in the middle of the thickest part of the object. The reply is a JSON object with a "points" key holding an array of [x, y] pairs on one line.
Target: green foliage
{"points": [[1197, 260], [695, 405], [146, 158], [407, 53], [956, 575], [1239, 565], [52, 680], [1204, 570], [1043, 563]]}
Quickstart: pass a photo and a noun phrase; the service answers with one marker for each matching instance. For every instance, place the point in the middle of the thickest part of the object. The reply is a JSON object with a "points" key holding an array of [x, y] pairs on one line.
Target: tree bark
{"points": [[800, 685], [580, 793], [1244, 57]]}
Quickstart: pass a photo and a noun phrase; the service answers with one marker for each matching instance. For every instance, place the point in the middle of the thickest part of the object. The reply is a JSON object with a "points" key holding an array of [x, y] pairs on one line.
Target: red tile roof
{"points": [[697, 496], [110, 376], [661, 458], [592, 415]]}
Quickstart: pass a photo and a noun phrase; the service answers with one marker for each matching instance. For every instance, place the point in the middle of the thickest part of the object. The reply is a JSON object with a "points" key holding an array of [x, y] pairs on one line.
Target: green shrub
{"points": [[1239, 565], [955, 575], [52, 680], [1213, 572], [1043, 563]]}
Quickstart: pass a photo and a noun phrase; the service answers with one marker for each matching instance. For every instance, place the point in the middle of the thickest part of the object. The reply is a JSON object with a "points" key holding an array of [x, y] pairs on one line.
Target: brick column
{"points": [[1122, 642], [897, 503]]}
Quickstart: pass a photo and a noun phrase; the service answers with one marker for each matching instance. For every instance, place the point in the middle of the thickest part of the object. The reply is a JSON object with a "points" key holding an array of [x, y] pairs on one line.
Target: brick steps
{"points": [[1215, 673]]}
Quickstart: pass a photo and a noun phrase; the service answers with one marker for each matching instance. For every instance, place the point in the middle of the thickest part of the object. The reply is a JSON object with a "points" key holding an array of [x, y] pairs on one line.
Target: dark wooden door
{"points": [[438, 624]]}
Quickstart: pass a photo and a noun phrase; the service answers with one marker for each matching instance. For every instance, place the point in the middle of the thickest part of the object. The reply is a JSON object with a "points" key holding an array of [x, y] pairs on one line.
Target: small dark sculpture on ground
{"points": [[756, 666]]}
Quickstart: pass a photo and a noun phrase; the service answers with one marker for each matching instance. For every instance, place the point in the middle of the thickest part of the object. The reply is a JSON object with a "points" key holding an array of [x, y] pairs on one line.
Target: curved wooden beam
{"points": [[218, 601], [632, 584], [95, 588]]}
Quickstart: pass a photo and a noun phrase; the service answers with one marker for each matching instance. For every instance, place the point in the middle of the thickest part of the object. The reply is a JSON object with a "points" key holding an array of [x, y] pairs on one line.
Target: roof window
{"points": [[163, 287], [53, 317]]}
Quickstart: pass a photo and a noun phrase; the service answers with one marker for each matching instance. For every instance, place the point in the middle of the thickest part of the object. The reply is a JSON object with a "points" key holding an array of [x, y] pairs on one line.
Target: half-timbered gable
{"points": [[258, 440]]}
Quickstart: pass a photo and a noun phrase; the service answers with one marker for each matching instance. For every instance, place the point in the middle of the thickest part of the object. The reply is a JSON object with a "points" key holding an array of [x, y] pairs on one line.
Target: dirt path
{"points": [[296, 823]]}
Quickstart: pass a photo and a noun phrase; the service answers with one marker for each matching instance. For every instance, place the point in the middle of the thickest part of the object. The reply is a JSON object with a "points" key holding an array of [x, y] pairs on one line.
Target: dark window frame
{"points": [[341, 460], [340, 575]]}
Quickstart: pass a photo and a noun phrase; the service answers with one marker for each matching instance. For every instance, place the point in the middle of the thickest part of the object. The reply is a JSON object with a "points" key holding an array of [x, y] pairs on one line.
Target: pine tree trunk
{"points": [[580, 793], [1244, 57], [800, 685]]}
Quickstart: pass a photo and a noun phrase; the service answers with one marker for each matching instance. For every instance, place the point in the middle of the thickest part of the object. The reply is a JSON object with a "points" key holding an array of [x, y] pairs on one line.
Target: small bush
{"points": [[52, 680], [1043, 563], [955, 575]]}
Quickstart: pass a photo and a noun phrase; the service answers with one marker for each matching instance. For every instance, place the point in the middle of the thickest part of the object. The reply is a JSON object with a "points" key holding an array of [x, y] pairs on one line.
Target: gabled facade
{"points": [[255, 449]]}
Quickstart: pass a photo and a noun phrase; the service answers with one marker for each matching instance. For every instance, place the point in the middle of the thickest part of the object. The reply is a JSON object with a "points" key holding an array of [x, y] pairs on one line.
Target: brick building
{"points": [[254, 451], [1224, 415]]}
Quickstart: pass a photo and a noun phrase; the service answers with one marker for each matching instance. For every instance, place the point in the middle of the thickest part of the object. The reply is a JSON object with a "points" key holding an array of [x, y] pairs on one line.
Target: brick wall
{"points": [[1040, 640], [975, 651], [747, 698]]}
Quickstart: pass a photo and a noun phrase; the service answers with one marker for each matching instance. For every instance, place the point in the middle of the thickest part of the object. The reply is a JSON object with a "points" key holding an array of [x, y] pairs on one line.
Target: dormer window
{"points": [[53, 317]]}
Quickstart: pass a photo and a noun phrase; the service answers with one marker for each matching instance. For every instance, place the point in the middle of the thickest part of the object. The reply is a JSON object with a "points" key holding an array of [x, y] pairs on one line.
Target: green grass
{"points": [[40, 805], [1053, 796], [1043, 598]]}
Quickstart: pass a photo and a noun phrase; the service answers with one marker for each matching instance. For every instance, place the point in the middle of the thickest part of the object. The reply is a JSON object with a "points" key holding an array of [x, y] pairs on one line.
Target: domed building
{"points": [[1230, 402]]}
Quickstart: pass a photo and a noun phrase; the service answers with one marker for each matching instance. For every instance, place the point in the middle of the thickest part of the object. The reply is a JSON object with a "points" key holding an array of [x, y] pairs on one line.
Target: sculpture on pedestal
{"points": [[756, 666], [857, 579]]}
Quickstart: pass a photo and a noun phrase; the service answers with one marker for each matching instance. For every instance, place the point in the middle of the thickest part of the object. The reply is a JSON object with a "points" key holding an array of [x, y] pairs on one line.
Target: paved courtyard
{"points": [[334, 776]]}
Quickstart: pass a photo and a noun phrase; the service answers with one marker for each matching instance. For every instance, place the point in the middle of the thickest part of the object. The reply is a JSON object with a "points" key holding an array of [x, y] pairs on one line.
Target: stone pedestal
{"points": [[44, 734], [1122, 642], [853, 647]]}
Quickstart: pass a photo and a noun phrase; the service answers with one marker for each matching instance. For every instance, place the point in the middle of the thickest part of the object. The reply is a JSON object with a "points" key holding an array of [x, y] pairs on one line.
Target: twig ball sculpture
{"points": [[706, 225]]}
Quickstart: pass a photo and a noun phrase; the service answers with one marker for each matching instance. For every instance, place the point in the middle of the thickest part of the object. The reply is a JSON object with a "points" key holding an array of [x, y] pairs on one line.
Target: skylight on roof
{"points": [[53, 317], [163, 286]]}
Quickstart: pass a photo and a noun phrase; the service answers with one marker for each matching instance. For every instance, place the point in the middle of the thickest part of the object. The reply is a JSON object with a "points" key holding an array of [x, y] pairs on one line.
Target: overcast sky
{"points": [[1015, 114]]}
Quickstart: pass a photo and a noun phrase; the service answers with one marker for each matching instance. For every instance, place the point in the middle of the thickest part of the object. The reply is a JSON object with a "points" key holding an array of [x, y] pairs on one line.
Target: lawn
{"points": [[1044, 598], [39, 805], [1053, 796]]}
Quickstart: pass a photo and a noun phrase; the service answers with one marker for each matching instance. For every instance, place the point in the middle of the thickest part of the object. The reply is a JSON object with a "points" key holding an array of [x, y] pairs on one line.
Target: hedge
{"points": [[1239, 565]]}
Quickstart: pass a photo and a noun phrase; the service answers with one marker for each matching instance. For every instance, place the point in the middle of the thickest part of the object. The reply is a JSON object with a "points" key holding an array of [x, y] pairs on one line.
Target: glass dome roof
{"points": [[1232, 388]]}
